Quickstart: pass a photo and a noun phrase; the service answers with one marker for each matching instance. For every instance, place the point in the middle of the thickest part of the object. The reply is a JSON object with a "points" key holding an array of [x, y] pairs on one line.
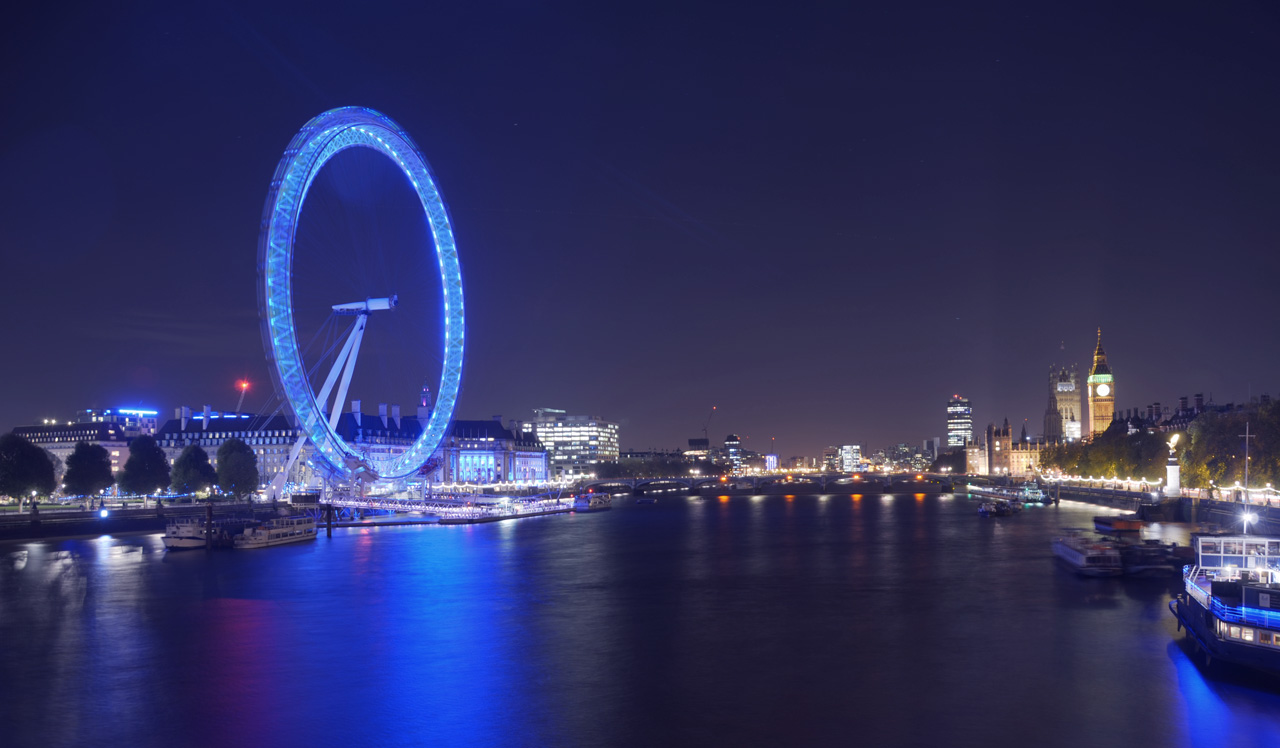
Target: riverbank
{"points": [[44, 525]]}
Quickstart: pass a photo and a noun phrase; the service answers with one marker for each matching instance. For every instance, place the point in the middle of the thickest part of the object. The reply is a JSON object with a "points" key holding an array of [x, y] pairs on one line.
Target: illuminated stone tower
{"points": [[1062, 417], [1102, 392]]}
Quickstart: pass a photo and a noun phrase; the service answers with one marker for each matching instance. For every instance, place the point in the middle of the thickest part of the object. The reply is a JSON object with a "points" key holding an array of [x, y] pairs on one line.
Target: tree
{"points": [[88, 470], [954, 459], [24, 468], [147, 469], [1113, 453], [192, 471], [237, 468]]}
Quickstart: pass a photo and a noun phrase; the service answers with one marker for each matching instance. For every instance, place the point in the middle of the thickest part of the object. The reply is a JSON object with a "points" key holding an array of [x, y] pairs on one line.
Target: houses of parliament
{"points": [[1066, 418]]}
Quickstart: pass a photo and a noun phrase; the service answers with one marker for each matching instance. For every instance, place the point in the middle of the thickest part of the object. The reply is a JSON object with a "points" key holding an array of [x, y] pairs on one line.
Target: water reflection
{"points": [[742, 621]]}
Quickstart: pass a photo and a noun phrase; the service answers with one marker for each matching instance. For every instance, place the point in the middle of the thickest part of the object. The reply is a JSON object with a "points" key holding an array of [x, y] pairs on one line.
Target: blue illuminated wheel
{"points": [[317, 142]]}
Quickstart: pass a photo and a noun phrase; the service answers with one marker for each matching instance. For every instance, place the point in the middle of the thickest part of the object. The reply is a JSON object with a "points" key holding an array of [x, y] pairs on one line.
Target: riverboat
{"points": [[592, 502], [1118, 524], [1027, 493], [1151, 558], [998, 508], [184, 533], [1086, 556], [1230, 602], [277, 532], [1030, 493]]}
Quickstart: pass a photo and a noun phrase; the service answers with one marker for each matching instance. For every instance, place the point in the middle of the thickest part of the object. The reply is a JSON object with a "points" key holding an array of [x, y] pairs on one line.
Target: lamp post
{"points": [[1247, 436]]}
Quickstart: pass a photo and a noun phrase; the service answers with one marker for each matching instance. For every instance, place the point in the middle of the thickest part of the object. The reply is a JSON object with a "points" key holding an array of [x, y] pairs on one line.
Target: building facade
{"points": [[1008, 455], [112, 429], [975, 459], [270, 438], [959, 421], [1102, 391], [574, 444], [733, 452], [851, 458], [487, 452], [135, 421], [61, 439], [472, 451]]}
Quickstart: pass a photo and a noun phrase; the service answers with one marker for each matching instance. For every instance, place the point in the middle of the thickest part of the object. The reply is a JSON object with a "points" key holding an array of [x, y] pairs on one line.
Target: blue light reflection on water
{"points": [[748, 621]]}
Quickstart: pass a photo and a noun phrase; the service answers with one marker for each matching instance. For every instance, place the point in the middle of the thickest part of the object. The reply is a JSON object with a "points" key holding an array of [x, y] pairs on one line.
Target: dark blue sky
{"points": [[823, 220]]}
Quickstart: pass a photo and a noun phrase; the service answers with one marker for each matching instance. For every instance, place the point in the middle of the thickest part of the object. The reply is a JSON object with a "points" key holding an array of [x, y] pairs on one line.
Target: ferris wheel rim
{"points": [[323, 137]]}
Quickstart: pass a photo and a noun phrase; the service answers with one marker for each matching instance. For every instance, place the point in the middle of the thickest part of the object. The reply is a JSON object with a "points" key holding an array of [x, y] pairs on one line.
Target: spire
{"points": [[424, 404], [1100, 358]]}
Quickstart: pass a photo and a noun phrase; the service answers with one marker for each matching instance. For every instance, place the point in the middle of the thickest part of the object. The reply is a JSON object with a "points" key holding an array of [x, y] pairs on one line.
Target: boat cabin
{"points": [[1250, 558]]}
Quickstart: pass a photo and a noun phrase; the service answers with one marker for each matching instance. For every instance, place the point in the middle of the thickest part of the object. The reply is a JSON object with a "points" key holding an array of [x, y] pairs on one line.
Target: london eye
{"points": [[317, 410]]}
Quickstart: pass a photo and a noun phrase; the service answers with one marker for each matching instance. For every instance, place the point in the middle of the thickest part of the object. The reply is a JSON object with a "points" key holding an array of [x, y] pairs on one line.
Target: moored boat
{"points": [[1118, 524], [1027, 493], [1086, 556], [1030, 493], [999, 508], [1150, 558], [278, 531], [182, 533], [592, 502], [1230, 603]]}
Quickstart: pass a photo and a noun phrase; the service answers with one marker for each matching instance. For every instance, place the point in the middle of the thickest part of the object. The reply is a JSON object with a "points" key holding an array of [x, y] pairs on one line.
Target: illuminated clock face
{"points": [[1104, 390]]}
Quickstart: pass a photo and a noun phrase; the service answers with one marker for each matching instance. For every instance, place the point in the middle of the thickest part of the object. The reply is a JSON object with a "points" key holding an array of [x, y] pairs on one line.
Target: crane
{"points": [[243, 386], [707, 425]]}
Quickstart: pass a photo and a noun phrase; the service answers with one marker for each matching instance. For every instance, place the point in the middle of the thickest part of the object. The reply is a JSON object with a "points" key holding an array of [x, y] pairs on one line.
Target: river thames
{"points": [[768, 621]]}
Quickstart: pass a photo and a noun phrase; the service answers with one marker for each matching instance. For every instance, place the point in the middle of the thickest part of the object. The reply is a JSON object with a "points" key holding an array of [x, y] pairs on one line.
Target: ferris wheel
{"points": [[316, 414]]}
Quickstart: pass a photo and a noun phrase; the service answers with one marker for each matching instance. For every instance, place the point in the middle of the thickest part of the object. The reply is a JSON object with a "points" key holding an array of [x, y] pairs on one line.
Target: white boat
{"points": [[1030, 493], [1088, 557], [278, 532], [184, 532]]}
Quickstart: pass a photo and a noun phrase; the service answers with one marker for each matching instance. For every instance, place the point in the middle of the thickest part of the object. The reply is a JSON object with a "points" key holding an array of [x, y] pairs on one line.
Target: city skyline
{"points": [[737, 231]]}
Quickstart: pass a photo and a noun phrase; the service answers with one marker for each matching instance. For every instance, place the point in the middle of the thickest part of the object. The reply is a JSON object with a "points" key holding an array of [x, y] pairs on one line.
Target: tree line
{"points": [[1211, 451], [27, 469]]}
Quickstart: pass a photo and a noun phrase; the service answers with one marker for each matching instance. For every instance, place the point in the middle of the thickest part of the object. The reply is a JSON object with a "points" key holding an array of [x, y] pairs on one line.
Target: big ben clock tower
{"points": [[1102, 391]]}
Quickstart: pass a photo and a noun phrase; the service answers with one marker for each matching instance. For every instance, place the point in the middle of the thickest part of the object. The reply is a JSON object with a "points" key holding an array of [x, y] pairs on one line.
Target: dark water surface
{"points": [[749, 621]]}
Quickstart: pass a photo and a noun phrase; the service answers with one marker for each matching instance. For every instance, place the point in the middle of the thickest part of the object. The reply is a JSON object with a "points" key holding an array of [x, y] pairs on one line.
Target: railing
{"points": [[1192, 577], [1232, 613], [1241, 614], [1229, 495]]}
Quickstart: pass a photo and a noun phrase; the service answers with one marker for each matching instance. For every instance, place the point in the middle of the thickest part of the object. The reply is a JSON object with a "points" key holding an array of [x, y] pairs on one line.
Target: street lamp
{"points": [[1249, 517]]}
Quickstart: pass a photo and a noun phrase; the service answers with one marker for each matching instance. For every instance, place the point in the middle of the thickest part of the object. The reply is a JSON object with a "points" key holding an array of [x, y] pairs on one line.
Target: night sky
{"points": [[825, 221]]}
